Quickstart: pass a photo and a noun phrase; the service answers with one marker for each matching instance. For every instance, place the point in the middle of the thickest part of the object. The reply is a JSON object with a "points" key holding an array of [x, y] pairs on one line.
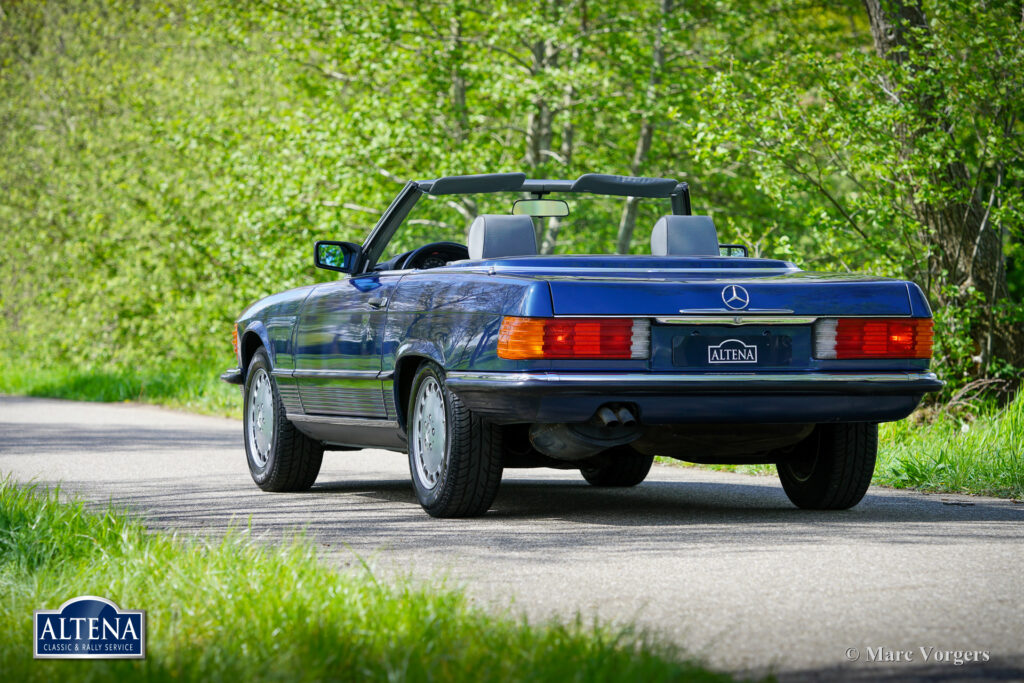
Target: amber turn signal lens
{"points": [[543, 338], [234, 338], [851, 338]]}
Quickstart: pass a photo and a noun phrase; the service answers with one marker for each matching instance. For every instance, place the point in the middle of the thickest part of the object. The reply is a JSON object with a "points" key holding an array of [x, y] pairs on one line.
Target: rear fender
{"points": [[407, 359]]}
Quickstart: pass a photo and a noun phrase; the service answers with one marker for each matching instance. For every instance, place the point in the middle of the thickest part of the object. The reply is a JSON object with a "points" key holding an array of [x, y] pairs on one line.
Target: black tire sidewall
{"points": [[261, 474], [842, 458]]}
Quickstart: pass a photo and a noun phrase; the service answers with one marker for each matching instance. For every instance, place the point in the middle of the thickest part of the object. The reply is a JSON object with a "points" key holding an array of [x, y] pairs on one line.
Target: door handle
{"points": [[378, 301]]}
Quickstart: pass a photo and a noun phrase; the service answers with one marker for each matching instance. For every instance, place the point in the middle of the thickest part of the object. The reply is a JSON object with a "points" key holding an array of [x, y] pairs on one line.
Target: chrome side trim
{"points": [[332, 374], [335, 374], [703, 378], [737, 320], [342, 421]]}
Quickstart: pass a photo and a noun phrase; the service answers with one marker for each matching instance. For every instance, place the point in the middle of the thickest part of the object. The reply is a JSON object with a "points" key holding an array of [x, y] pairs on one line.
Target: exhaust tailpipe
{"points": [[608, 418], [625, 417]]}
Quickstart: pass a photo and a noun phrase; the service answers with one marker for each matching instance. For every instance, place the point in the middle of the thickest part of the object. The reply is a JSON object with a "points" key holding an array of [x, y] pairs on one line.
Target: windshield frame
{"points": [[396, 213]]}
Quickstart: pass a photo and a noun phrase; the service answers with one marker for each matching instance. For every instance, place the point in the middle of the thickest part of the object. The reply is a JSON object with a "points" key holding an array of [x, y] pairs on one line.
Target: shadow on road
{"points": [[188, 473], [47, 438], [551, 515]]}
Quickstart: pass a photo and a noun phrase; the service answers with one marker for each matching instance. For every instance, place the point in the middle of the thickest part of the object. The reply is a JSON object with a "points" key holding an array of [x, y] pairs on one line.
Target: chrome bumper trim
{"points": [[655, 379]]}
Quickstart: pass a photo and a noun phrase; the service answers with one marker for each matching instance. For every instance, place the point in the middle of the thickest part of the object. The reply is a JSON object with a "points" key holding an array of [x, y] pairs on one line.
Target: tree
{"points": [[955, 179], [896, 133]]}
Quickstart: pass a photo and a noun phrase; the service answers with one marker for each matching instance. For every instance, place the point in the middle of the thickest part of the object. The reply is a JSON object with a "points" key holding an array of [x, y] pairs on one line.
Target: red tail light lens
{"points": [[539, 338], [850, 338]]}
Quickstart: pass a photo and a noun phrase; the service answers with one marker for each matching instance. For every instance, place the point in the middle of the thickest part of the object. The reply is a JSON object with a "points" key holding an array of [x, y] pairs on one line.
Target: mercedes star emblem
{"points": [[735, 297]]}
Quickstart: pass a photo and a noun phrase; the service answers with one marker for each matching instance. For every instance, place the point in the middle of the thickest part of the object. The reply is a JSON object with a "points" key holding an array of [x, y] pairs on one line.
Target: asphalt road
{"points": [[719, 563]]}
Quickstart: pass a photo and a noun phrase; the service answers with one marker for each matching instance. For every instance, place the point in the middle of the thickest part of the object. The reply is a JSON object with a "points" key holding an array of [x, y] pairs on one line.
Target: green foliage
{"points": [[236, 610], [154, 183], [167, 163], [910, 165], [967, 453]]}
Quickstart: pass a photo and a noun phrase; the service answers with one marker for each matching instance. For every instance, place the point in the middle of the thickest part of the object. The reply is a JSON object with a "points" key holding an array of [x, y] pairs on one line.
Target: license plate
{"points": [[731, 350]]}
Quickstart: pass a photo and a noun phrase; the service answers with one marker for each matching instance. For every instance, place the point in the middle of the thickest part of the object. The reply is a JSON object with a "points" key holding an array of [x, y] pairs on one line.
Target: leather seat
{"points": [[684, 236], [495, 236]]}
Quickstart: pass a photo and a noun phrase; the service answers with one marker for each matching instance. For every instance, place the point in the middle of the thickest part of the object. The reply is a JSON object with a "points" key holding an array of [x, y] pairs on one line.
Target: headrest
{"points": [[494, 236], [684, 236]]}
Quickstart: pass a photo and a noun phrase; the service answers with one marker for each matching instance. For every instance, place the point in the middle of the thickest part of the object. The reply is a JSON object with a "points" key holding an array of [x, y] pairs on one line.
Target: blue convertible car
{"points": [[480, 356]]}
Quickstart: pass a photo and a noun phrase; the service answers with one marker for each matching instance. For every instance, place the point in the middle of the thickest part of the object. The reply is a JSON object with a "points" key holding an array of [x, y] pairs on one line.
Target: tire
{"points": [[454, 455], [625, 468], [281, 458], [831, 469]]}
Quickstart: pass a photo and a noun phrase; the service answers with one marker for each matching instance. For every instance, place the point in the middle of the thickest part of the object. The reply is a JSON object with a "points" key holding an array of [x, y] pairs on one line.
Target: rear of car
{"points": [[708, 360], [796, 347]]}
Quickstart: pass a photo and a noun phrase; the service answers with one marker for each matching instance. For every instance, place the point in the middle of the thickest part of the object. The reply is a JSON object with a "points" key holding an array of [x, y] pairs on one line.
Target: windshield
{"points": [[591, 227]]}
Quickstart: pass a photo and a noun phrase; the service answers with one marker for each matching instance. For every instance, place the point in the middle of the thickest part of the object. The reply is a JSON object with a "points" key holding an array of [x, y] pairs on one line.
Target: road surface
{"points": [[720, 563]]}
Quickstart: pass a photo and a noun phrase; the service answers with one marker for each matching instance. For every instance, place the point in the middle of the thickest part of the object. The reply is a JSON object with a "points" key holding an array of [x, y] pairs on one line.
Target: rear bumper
{"points": [[689, 398]]}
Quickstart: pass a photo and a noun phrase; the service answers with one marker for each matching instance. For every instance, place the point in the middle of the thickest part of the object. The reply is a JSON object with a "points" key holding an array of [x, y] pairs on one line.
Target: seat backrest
{"points": [[494, 236], [684, 236]]}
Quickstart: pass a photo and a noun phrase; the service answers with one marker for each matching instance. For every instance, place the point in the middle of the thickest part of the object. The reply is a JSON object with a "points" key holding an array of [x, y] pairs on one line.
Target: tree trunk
{"points": [[627, 221], [458, 88], [965, 242], [551, 229]]}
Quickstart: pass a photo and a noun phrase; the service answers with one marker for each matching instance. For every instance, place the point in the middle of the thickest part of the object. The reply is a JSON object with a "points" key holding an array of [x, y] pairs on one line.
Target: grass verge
{"points": [[979, 453], [234, 610], [188, 387]]}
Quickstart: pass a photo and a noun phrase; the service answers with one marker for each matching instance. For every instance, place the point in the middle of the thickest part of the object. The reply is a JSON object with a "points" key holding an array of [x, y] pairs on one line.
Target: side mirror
{"points": [[340, 256]]}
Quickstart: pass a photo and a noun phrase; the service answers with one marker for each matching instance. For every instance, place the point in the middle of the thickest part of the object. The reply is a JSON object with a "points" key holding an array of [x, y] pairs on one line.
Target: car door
{"points": [[338, 345]]}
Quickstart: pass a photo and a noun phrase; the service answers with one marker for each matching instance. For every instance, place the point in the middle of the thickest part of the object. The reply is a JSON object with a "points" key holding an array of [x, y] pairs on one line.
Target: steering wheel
{"points": [[434, 255]]}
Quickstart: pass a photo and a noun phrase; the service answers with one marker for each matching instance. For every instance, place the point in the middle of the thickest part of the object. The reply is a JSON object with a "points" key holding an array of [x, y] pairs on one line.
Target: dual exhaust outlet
{"points": [[615, 418], [611, 425]]}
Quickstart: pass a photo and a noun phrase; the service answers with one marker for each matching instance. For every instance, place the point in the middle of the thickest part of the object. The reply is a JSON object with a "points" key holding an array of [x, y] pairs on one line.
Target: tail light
{"points": [[540, 338], [234, 338], [844, 338]]}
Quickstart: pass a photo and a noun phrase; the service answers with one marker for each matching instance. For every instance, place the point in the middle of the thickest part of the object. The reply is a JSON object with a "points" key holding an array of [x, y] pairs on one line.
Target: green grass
{"points": [[979, 453], [235, 610], [187, 387], [982, 454]]}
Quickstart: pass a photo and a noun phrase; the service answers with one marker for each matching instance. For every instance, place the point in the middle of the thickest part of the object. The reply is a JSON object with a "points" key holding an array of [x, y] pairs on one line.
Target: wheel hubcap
{"points": [[260, 418], [429, 433]]}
